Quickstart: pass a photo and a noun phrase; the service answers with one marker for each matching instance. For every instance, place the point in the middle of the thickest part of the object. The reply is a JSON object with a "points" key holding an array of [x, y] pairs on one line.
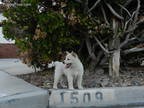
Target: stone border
{"points": [[99, 97]]}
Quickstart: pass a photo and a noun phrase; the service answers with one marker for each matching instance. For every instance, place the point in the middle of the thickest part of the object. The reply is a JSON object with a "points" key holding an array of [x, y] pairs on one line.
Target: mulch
{"points": [[97, 79]]}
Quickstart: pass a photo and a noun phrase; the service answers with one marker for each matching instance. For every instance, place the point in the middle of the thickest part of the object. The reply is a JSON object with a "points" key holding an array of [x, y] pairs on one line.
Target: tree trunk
{"points": [[114, 58]]}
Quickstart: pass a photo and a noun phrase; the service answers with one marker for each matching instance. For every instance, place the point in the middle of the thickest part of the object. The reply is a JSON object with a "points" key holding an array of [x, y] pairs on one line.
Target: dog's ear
{"points": [[67, 52], [74, 54]]}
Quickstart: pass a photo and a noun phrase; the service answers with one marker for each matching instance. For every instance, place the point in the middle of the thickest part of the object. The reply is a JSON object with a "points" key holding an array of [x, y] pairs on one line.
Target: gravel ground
{"points": [[128, 77]]}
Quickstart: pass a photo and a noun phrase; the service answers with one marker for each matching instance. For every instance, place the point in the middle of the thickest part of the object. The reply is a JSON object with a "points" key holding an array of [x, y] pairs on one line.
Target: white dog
{"points": [[72, 69]]}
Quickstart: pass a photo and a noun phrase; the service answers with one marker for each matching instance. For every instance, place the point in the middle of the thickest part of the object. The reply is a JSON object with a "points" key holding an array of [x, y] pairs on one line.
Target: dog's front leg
{"points": [[70, 82], [79, 82]]}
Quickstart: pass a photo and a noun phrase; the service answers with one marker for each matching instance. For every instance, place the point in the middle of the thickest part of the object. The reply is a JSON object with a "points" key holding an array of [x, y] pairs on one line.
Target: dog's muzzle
{"points": [[68, 65]]}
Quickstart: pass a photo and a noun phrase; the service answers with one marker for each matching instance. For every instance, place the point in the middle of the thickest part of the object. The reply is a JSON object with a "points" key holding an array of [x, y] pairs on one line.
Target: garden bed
{"points": [[128, 77]]}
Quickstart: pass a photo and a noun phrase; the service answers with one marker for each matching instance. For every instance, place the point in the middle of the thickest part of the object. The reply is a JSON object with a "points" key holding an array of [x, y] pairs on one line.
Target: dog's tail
{"points": [[51, 65]]}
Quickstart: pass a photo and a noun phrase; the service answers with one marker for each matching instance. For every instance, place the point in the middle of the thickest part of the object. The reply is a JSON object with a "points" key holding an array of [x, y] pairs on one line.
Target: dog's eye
{"points": [[68, 59]]}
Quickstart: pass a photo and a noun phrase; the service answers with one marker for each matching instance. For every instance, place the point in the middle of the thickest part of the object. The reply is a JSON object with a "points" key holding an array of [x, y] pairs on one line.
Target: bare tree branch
{"points": [[100, 54], [85, 6], [104, 14], [131, 28], [128, 2], [137, 11], [88, 44], [104, 60], [133, 50], [140, 21], [125, 9], [126, 41], [96, 3], [100, 44], [126, 24], [134, 19], [114, 12]]}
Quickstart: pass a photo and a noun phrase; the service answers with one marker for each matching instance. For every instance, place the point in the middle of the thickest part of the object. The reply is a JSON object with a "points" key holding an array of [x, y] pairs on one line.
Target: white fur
{"points": [[75, 71], [59, 71], [72, 69]]}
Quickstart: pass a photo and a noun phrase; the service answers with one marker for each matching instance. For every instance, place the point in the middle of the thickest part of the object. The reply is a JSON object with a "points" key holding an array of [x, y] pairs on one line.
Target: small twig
{"points": [[126, 24], [104, 14], [137, 11], [114, 12], [103, 48], [96, 3], [125, 9], [128, 2]]}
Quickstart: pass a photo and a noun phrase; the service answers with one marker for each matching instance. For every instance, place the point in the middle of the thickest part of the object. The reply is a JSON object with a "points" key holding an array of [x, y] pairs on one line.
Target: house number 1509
{"points": [[86, 97]]}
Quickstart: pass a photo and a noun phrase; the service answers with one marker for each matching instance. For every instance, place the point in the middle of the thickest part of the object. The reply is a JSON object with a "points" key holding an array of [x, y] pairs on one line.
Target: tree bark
{"points": [[114, 58]]}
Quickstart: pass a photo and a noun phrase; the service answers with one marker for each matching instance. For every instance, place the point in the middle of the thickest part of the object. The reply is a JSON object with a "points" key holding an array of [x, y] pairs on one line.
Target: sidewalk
{"points": [[16, 93], [14, 67]]}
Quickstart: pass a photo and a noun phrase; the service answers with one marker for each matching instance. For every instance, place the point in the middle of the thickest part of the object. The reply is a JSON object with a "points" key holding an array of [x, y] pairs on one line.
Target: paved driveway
{"points": [[14, 67]]}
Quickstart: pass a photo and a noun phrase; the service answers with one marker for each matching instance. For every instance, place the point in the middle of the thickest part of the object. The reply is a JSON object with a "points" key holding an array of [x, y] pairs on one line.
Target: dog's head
{"points": [[70, 59], [50, 65]]}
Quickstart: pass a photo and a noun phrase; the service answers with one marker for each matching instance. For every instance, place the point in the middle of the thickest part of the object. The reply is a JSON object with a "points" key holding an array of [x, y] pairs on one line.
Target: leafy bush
{"points": [[40, 36]]}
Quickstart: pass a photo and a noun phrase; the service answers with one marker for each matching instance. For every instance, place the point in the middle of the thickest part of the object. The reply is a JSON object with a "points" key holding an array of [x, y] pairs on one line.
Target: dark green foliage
{"points": [[39, 35]]}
